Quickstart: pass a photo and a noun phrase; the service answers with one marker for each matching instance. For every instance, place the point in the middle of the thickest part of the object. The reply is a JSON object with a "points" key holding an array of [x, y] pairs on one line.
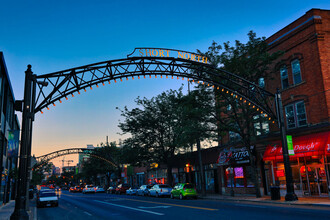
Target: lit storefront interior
{"points": [[237, 170], [310, 165]]}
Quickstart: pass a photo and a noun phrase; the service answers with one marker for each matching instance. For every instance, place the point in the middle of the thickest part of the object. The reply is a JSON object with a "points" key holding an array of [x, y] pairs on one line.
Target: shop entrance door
{"points": [[314, 180]]}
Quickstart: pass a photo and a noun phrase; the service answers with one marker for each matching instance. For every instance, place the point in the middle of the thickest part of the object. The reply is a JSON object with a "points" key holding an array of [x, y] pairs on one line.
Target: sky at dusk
{"points": [[62, 34]]}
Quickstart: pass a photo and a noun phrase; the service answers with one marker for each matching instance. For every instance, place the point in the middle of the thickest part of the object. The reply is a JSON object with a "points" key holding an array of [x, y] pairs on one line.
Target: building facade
{"points": [[303, 75], [9, 135]]}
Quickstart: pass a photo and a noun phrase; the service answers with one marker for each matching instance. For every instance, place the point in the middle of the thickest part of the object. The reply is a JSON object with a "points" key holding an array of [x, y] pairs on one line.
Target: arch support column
{"points": [[22, 202]]}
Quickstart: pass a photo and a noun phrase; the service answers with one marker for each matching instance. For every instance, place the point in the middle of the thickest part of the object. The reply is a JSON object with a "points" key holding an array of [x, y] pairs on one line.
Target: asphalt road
{"points": [[104, 206]]}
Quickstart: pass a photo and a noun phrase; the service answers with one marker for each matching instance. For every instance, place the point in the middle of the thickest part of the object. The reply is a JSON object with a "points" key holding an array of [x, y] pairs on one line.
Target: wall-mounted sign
{"points": [[290, 145], [239, 155], [162, 52], [13, 143]]}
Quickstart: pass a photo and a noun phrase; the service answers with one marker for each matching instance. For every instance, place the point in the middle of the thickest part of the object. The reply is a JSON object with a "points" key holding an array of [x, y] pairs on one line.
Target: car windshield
{"points": [[164, 186], [189, 186], [48, 194]]}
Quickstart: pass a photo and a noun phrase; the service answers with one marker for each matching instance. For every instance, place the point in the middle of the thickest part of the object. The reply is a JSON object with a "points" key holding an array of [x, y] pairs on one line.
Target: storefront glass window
{"points": [[239, 176], [209, 180], [249, 176]]}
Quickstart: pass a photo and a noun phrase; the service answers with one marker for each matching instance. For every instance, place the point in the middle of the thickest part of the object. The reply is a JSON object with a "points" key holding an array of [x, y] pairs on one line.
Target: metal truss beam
{"points": [[41, 160], [72, 81]]}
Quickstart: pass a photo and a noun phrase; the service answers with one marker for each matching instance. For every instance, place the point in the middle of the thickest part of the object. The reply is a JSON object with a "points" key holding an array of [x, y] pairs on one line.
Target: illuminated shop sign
{"points": [[162, 52], [239, 156]]}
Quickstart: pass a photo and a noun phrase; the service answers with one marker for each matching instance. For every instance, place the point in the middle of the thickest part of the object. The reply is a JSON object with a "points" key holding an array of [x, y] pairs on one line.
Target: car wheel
{"points": [[172, 197], [149, 194], [181, 196], [157, 195]]}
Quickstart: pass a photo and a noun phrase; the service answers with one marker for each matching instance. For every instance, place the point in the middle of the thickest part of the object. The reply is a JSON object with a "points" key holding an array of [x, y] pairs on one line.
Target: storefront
{"points": [[310, 165], [237, 171]]}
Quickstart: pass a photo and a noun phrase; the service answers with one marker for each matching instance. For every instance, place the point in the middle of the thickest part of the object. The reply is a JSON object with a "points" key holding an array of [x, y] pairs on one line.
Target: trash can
{"points": [[275, 193]]}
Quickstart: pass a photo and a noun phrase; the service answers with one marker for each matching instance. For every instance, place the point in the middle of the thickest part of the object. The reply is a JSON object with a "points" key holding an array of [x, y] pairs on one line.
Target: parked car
{"points": [[132, 190], [111, 190], [47, 198], [71, 189], [88, 189], [159, 190], [183, 190], [121, 188], [143, 190], [99, 189]]}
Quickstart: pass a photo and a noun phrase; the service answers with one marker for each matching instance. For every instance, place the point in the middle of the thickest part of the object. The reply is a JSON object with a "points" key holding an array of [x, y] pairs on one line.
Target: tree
{"points": [[250, 61], [156, 128], [38, 174], [102, 160]]}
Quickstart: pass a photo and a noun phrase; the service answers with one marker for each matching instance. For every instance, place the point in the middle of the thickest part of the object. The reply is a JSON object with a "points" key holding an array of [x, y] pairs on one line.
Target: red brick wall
{"points": [[307, 39]]}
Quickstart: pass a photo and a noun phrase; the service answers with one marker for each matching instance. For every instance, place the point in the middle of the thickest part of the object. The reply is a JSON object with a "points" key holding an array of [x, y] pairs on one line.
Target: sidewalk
{"points": [[310, 201], [8, 209]]}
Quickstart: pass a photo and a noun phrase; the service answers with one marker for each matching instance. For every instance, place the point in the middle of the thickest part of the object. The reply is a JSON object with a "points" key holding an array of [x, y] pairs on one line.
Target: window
{"points": [[261, 82], [233, 136], [284, 77], [296, 73], [261, 125], [296, 115]]}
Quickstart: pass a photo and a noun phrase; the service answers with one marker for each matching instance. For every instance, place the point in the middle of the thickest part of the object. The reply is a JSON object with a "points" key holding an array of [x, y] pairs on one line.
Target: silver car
{"points": [[143, 190], [132, 191], [159, 190]]}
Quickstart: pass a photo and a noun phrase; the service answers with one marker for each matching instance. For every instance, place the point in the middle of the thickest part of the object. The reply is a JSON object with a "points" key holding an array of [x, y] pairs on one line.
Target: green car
{"points": [[184, 190]]}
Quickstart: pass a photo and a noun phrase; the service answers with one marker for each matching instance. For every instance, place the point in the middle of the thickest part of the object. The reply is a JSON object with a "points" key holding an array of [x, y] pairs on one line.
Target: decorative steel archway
{"points": [[42, 91], [55, 87], [41, 160]]}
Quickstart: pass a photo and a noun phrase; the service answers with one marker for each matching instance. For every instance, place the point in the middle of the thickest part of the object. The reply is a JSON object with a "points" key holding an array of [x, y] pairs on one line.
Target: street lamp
{"points": [[21, 203], [290, 196]]}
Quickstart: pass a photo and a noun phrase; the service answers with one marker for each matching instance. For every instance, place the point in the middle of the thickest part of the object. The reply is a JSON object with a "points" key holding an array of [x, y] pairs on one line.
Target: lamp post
{"points": [[290, 195], [21, 203]]}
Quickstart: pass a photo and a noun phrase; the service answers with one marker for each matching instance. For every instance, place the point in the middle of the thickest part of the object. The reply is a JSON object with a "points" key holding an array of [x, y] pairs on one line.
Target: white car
{"points": [[47, 198], [132, 191], [89, 189], [99, 189], [159, 190]]}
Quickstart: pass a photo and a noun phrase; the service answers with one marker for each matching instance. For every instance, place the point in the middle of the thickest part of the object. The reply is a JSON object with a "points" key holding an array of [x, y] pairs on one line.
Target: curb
{"points": [[274, 202]]}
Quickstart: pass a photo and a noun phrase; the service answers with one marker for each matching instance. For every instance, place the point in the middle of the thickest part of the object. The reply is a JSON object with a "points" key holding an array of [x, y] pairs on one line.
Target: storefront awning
{"points": [[304, 146]]}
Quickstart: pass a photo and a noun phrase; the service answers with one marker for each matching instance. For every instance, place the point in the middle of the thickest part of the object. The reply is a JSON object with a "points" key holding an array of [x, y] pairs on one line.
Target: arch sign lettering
{"points": [[162, 52]]}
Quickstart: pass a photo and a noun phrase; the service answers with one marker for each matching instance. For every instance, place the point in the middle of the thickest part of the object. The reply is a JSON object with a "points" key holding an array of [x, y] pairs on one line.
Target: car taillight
{"points": [[184, 189], [161, 190]]}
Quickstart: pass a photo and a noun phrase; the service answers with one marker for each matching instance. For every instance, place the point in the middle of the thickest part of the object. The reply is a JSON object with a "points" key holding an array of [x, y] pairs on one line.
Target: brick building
{"points": [[303, 75]]}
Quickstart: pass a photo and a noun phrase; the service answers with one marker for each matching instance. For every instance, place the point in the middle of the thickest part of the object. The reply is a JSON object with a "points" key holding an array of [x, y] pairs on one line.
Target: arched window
{"points": [[284, 77], [296, 73]]}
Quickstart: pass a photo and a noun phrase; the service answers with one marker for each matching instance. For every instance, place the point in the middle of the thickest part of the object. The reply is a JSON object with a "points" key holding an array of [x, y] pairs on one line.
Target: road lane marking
{"points": [[154, 207], [171, 204], [87, 213], [127, 207]]}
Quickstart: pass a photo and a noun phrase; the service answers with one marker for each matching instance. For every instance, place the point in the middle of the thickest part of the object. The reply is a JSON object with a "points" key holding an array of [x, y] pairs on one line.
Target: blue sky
{"points": [[56, 35]]}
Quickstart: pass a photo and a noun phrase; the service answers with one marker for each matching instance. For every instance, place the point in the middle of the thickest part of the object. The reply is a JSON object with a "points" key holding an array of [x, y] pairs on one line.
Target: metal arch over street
{"points": [[57, 86], [44, 90], [47, 157]]}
